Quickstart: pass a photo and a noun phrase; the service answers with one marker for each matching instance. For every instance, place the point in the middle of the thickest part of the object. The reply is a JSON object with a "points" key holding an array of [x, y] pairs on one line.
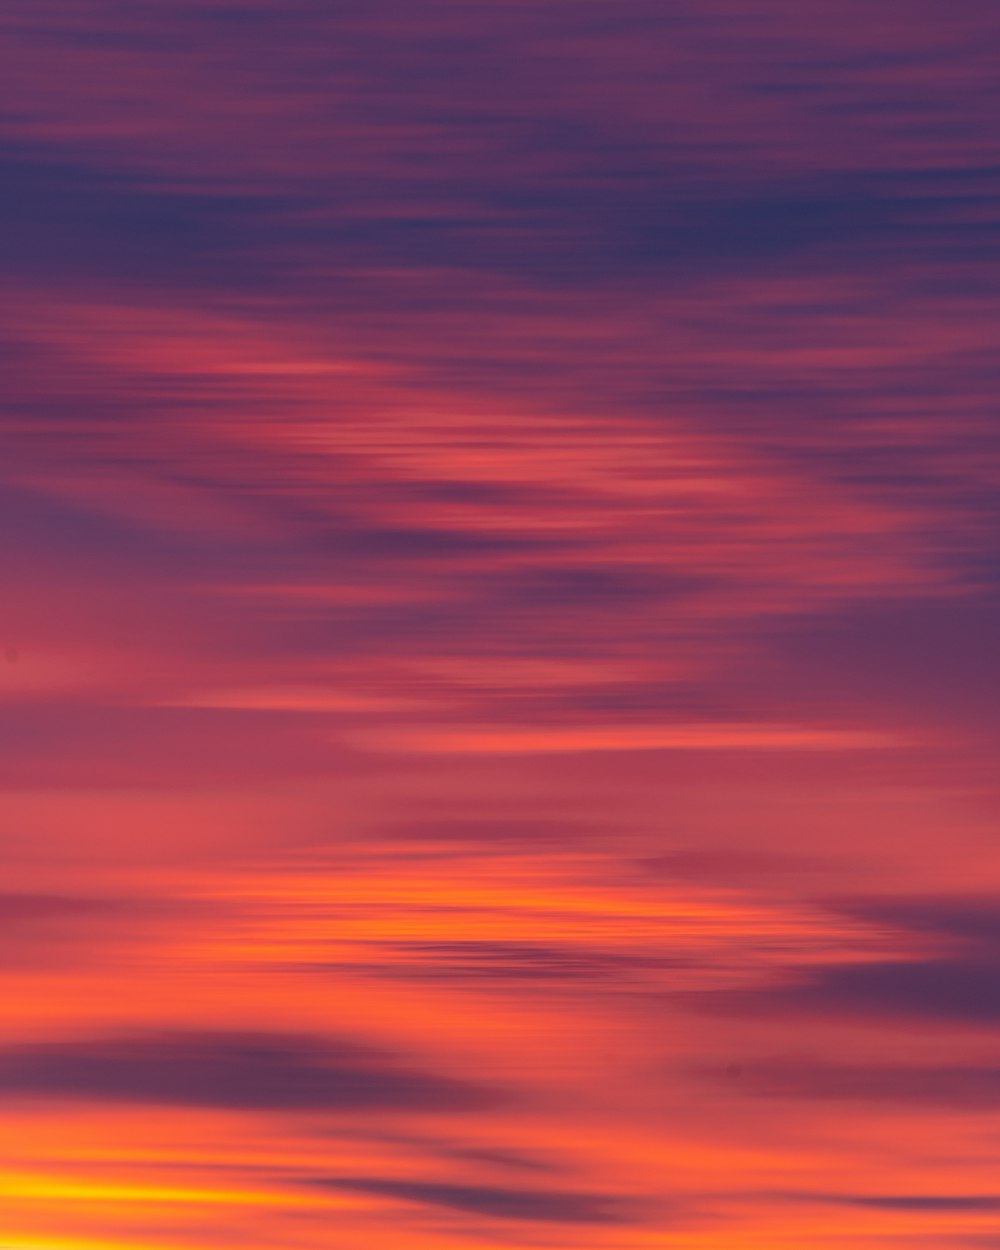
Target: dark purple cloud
{"points": [[929, 1204], [972, 920], [905, 1084], [948, 990], [945, 990], [932, 658], [232, 1071], [494, 1202], [952, 977], [61, 218], [509, 1160]]}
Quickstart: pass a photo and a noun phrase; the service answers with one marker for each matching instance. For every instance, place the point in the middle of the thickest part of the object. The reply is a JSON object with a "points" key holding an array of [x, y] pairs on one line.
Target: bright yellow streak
{"points": [[49, 1187], [71, 1245]]}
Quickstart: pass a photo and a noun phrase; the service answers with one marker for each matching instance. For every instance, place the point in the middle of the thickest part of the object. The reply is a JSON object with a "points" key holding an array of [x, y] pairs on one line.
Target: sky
{"points": [[498, 671]]}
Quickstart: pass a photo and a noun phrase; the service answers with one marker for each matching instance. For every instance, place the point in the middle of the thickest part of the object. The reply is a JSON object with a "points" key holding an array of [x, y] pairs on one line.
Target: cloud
{"points": [[63, 218], [958, 1086], [512, 1160], [929, 1204], [516, 961], [229, 1071], [947, 990], [925, 1202], [915, 656], [541, 1206], [538, 388], [971, 919], [952, 976]]}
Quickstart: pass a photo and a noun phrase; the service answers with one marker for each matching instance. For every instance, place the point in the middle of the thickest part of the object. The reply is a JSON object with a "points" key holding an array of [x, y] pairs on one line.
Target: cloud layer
{"points": [[497, 662]]}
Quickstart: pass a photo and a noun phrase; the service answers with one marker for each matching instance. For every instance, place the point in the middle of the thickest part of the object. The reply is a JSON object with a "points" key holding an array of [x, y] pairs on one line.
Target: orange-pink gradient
{"points": [[498, 669]]}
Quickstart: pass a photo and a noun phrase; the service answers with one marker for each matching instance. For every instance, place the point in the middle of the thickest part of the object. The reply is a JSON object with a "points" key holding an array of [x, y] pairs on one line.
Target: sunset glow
{"points": [[498, 660]]}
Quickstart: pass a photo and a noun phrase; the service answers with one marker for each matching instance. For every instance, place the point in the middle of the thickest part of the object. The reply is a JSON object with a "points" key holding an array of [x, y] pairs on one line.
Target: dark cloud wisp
{"points": [[231, 1071], [957, 1086], [543, 1206]]}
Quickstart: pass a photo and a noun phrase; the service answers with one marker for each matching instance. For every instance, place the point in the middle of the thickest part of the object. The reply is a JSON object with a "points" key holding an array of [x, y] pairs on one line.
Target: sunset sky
{"points": [[499, 639]]}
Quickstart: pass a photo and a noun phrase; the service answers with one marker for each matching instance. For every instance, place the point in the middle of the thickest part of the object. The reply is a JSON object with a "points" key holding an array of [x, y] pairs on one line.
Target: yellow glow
{"points": [[41, 1187]]}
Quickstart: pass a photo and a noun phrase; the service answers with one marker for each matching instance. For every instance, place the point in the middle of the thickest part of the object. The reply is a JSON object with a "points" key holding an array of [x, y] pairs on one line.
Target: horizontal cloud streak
{"points": [[228, 1071], [968, 1087], [542, 1206]]}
